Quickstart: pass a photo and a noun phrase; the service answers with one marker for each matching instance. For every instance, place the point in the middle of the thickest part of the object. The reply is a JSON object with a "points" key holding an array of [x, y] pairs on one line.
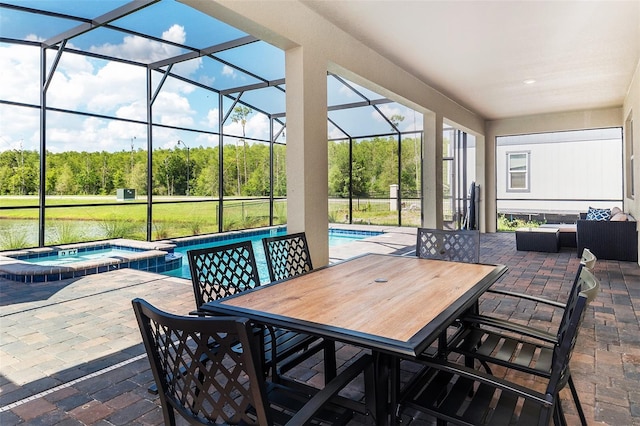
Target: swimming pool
{"points": [[164, 257], [336, 237]]}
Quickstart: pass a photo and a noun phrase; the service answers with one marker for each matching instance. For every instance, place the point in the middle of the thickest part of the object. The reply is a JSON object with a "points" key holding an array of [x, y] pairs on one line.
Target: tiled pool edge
{"points": [[230, 235], [145, 256]]}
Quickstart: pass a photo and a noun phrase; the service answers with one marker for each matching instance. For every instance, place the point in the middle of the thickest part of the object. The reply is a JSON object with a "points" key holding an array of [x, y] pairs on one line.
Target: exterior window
{"points": [[518, 171]]}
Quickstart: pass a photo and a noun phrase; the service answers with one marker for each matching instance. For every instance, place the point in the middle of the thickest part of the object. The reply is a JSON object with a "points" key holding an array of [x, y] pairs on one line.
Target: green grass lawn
{"points": [[72, 220]]}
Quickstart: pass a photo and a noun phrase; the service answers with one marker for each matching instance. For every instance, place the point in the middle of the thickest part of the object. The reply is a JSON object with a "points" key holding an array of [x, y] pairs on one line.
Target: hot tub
{"points": [[77, 260]]}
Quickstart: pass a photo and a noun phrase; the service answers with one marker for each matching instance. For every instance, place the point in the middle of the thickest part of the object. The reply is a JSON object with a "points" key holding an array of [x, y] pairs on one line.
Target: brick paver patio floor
{"points": [[71, 354]]}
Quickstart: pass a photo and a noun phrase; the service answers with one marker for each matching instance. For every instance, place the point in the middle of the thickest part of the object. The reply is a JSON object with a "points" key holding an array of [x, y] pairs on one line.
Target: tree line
{"points": [[245, 170]]}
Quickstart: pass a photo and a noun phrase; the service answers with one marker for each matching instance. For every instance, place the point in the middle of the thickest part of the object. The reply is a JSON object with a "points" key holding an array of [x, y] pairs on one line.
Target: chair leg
{"points": [[576, 401], [559, 418], [486, 367], [330, 366]]}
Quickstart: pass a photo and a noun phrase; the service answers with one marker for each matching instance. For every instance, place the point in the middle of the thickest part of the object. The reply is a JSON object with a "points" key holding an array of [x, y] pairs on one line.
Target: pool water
{"points": [[336, 238], [79, 257]]}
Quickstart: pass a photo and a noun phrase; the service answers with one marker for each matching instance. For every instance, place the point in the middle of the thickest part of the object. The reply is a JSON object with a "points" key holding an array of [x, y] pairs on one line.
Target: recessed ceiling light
{"points": [[529, 81]]}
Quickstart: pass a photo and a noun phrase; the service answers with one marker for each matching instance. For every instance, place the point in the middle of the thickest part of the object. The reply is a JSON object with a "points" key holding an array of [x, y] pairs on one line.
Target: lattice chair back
{"points": [[567, 336], [287, 256], [204, 382], [451, 245], [218, 272]]}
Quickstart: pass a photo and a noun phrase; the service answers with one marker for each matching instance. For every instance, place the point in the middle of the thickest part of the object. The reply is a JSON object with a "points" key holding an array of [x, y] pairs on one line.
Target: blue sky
{"points": [[110, 88]]}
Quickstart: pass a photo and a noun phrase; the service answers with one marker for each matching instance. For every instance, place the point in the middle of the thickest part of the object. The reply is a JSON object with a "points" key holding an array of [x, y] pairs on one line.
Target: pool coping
{"points": [[156, 256]]}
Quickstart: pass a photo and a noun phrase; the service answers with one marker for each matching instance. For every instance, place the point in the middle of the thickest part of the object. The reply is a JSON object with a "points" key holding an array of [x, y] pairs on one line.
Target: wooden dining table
{"points": [[396, 306]]}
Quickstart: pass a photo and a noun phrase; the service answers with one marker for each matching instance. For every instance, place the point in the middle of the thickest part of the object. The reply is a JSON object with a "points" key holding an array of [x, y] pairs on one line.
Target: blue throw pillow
{"points": [[598, 214]]}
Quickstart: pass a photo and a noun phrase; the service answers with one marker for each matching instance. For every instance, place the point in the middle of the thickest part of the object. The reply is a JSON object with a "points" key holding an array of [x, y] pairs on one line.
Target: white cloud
{"points": [[19, 125], [229, 72], [213, 119], [20, 73], [173, 110], [257, 127], [137, 49], [388, 110], [412, 120], [90, 85], [206, 80], [176, 34], [345, 91], [334, 132]]}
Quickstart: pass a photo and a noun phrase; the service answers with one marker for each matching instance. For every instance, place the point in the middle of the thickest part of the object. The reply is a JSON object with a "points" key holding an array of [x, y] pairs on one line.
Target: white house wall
{"points": [[585, 171]]}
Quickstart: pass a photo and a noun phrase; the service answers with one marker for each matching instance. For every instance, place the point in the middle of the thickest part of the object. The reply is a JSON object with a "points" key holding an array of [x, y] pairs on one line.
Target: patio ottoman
{"points": [[567, 233], [538, 239]]}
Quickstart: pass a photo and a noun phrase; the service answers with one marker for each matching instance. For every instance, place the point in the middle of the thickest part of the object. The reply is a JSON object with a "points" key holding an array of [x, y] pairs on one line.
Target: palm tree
{"points": [[240, 115]]}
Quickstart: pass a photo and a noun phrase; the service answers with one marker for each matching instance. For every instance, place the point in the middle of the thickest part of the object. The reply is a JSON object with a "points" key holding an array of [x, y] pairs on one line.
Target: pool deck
{"points": [[71, 353]]}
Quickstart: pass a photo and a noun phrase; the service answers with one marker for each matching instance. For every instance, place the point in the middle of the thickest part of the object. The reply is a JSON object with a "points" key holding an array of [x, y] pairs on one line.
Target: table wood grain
{"points": [[388, 296]]}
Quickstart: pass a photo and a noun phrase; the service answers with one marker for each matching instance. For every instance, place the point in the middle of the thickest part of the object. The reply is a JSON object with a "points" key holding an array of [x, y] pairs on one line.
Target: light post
{"points": [[131, 167], [185, 145]]}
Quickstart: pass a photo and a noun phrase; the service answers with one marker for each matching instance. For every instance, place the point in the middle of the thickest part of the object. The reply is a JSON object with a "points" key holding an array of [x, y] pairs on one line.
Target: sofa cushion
{"points": [[615, 211], [598, 214], [619, 217]]}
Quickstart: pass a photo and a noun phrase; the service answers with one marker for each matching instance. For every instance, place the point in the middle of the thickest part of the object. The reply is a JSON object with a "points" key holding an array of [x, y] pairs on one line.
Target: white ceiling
{"points": [[582, 54]]}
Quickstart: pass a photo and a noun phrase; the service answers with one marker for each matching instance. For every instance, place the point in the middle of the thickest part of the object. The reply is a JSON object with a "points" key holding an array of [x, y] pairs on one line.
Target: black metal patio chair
{"points": [[453, 245], [222, 271], [287, 255], [218, 272], [520, 347], [461, 395], [588, 260], [460, 245], [208, 371]]}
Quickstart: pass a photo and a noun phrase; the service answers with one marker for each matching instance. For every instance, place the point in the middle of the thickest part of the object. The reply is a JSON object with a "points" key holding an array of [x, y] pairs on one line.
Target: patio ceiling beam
{"points": [[101, 20], [256, 86], [204, 52]]}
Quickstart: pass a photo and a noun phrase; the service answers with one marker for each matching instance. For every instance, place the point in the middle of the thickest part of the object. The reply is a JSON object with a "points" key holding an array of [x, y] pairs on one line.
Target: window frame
{"points": [[629, 158], [510, 172]]}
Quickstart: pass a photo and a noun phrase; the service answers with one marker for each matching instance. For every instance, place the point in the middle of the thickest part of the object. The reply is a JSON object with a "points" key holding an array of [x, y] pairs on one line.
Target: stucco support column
{"points": [[484, 163], [432, 171], [489, 194], [307, 149]]}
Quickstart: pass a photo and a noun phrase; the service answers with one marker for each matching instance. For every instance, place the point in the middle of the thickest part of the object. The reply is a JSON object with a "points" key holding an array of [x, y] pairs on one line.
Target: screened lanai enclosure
{"points": [[150, 120]]}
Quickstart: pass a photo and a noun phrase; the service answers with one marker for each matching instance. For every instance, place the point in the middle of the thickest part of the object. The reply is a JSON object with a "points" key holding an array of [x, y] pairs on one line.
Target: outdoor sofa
{"points": [[608, 239]]}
